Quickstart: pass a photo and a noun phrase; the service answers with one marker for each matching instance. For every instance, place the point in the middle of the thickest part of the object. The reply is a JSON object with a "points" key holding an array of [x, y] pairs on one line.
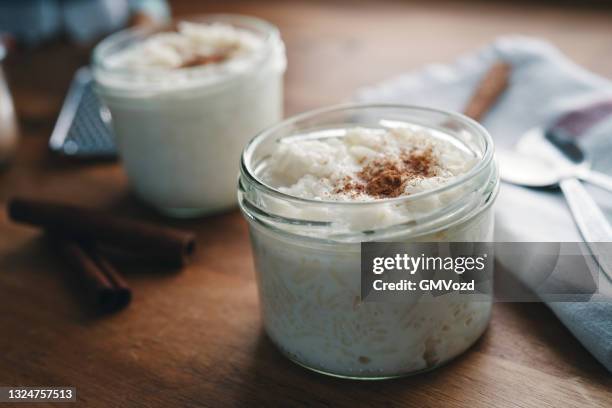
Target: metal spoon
{"points": [[527, 166], [538, 163]]}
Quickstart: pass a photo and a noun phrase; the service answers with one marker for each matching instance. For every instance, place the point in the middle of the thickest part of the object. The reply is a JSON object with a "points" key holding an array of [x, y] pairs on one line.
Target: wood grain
{"points": [[194, 338]]}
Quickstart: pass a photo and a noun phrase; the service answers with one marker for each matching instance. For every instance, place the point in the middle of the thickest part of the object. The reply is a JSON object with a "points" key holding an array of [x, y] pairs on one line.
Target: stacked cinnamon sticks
{"points": [[85, 237]]}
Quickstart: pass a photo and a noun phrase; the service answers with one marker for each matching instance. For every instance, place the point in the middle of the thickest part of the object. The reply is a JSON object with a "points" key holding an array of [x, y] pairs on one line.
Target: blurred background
{"points": [[332, 45]]}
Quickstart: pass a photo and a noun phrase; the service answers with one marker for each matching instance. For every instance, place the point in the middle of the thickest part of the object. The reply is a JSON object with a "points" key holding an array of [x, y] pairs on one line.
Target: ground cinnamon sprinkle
{"points": [[383, 179], [203, 60], [419, 162], [386, 178], [198, 60], [350, 187]]}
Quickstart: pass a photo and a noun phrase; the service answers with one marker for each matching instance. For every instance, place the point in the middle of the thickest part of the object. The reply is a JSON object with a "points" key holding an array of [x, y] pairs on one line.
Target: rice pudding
{"points": [[184, 100], [313, 196]]}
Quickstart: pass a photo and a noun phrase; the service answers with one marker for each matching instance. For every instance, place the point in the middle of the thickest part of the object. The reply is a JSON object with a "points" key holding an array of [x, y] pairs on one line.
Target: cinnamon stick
{"points": [[490, 88], [103, 285], [87, 225], [123, 293]]}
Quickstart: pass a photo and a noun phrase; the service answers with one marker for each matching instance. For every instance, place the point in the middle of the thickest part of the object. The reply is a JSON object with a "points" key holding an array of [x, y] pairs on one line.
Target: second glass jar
{"points": [[180, 131]]}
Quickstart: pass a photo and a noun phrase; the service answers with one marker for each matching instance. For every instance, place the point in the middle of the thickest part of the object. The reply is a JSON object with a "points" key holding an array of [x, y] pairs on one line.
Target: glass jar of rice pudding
{"points": [[185, 99], [317, 185]]}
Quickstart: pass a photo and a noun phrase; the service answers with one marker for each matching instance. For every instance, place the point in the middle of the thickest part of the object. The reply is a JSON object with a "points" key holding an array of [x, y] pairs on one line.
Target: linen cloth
{"points": [[544, 85]]}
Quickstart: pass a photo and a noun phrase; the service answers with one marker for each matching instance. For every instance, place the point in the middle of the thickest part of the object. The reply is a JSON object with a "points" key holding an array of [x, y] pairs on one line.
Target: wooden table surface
{"points": [[194, 338]]}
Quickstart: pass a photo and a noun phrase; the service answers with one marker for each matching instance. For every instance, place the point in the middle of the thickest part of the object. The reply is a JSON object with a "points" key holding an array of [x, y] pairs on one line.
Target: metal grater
{"points": [[83, 127]]}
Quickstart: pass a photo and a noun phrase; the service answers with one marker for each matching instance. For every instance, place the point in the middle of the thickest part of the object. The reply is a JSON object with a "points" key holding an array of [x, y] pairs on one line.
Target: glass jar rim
{"points": [[270, 38], [246, 165]]}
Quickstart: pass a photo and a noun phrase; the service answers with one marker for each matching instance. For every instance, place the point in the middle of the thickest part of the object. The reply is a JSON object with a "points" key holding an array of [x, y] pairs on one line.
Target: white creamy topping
{"points": [[340, 168], [192, 42]]}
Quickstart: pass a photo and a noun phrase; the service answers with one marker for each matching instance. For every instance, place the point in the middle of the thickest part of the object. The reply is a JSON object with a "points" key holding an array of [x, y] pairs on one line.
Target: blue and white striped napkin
{"points": [[544, 85]]}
